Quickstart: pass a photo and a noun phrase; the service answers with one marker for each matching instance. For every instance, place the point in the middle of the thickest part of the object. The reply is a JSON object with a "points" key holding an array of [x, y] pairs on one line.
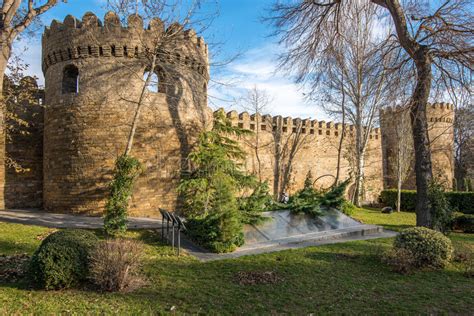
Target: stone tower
{"points": [[441, 134], [94, 77]]}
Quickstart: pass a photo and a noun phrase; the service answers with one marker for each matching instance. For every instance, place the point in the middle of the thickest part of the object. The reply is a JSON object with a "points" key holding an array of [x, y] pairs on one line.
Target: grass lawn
{"points": [[345, 278]]}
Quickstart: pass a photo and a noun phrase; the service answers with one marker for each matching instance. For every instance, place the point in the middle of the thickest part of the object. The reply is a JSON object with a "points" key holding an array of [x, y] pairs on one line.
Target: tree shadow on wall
{"points": [[178, 105]]}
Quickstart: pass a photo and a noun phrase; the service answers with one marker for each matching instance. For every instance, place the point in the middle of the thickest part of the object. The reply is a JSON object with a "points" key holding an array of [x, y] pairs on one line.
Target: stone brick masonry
{"points": [[94, 76]]}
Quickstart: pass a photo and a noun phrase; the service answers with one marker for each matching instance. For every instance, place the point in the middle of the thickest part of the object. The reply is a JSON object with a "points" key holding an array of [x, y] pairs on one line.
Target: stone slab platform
{"points": [[284, 230]]}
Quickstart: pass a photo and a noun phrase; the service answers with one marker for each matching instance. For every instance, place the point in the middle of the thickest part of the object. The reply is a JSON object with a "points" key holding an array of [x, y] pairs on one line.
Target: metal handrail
{"points": [[176, 224]]}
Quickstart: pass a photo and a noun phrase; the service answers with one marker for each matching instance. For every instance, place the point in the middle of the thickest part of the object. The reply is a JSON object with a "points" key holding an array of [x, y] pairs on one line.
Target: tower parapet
{"points": [[95, 75], [90, 38]]}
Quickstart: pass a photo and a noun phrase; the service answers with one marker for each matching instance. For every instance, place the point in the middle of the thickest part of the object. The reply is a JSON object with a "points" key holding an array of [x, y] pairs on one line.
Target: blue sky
{"points": [[239, 29]]}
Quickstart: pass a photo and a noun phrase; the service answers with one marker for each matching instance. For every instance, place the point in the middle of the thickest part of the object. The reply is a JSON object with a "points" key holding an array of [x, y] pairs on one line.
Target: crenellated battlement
{"points": [[436, 112], [92, 38], [292, 125]]}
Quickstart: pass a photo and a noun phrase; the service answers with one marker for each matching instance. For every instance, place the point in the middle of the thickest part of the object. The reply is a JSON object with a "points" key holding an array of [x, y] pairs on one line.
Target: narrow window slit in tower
{"points": [[69, 53], [125, 51], [89, 49], [70, 82], [113, 50], [101, 51]]}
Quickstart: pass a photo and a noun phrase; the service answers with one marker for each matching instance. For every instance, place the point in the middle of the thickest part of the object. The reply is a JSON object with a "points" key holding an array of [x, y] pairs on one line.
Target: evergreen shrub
{"points": [[429, 248], [61, 261]]}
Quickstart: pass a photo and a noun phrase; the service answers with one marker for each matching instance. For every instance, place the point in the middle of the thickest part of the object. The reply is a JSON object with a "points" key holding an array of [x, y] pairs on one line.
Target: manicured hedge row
{"points": [[459, 201]]}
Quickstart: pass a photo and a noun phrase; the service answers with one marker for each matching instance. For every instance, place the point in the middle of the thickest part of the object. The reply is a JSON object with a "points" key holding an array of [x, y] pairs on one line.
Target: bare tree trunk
{"points": [[257, 147], [136, 117], [343, 132], [4, 56], [422, 60], [399, 176], [421, 142], [359, 157]]}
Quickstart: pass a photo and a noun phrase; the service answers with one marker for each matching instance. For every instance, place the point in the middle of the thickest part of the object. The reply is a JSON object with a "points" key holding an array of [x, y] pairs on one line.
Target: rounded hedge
{"points": [[429, 248], [61, 261], [464, 223]]}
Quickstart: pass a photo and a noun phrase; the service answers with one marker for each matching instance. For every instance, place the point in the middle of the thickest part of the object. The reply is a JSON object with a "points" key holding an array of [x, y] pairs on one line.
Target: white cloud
{"points": [[258, 67]]}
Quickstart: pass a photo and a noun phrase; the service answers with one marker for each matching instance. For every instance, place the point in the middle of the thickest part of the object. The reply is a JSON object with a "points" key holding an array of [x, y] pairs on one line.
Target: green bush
{"points": [[428, 247], [335, 196], [305, 201], [252, 206], [408, 199], [464, 223], [61, 261], [348, 208], [459, 201], [441, 210], [215, 232], [127, 170], [209, 191], [309, 201]]}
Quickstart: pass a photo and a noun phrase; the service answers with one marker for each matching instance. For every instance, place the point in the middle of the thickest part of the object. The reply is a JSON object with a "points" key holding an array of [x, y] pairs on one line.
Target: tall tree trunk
{"points": [[399, 176], [421, 142], [257, 147], [4, 56], [359, 158], [141, 100], [420, 56], [343, 132]]}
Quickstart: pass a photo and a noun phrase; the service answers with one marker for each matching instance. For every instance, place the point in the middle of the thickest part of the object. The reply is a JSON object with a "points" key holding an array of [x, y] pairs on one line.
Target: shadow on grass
{"points": [[10, 247]]}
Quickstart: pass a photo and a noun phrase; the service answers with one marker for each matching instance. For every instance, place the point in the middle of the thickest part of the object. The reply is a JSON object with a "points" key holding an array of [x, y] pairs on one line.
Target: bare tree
{"points": [[404, 150], [178, 17], [432, 41], [15, 17], [286, 145], [256, 101], [464, 144], [354, 68]]}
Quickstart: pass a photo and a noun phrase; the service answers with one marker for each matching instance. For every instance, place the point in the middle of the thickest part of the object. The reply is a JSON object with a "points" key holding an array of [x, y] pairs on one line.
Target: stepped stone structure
{"points": [[94, 77]]}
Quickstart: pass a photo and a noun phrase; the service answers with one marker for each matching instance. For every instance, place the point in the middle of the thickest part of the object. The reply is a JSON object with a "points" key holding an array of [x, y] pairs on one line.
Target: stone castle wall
{"points": [[24, 146], [303, 146], [86, 130], [441, 135]]}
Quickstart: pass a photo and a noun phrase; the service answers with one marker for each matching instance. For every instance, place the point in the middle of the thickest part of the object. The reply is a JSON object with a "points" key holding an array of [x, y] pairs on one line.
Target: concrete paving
{"points": [[42, 218]]}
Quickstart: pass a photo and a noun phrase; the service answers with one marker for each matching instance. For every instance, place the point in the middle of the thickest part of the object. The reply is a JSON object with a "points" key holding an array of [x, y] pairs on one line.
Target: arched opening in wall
{"points": [[156, 82], [70, 79]]}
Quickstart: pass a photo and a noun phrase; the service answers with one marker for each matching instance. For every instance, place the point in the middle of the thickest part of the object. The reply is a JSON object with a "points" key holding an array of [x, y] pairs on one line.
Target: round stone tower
{"points": [[94, 79], [394, 120]]}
